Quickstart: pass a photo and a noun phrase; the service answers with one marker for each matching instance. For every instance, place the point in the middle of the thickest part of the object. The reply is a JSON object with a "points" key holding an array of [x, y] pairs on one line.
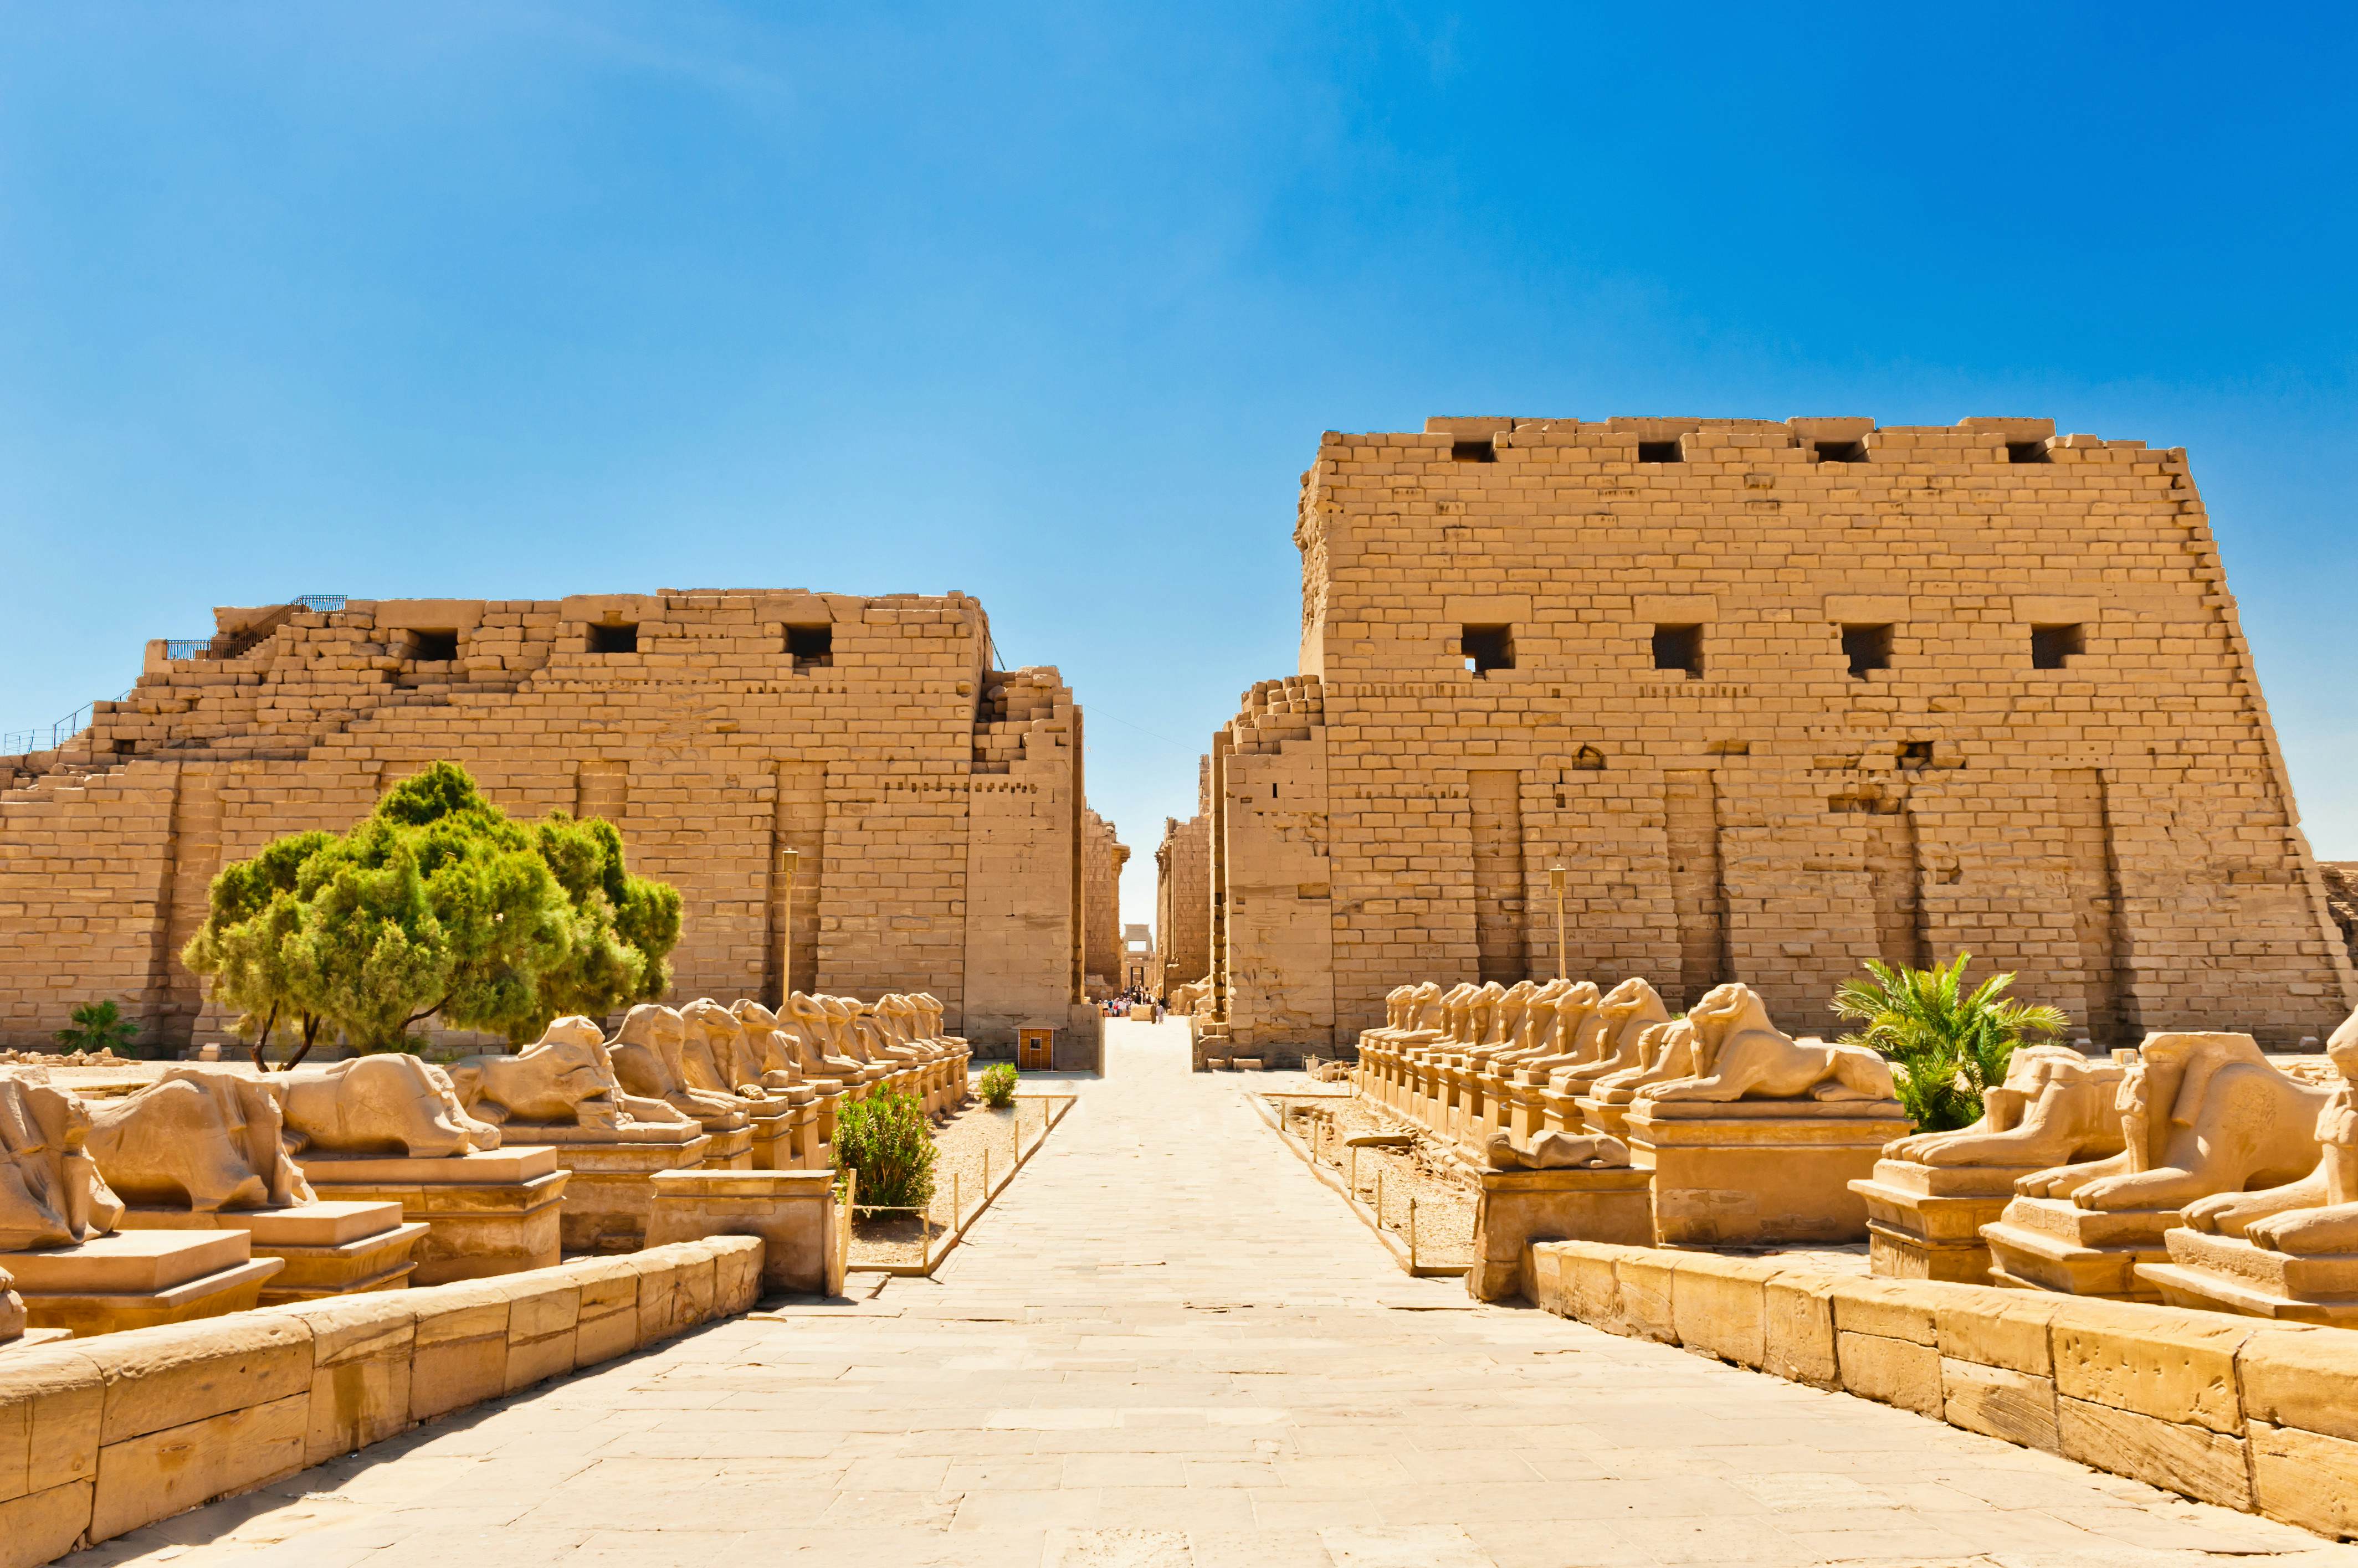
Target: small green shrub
{"points": [[886, 1139], [999, 1085], [99, 1026]]}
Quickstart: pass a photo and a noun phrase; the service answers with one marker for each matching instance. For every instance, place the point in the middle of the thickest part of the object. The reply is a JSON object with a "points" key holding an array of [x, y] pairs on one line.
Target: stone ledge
{"points": [[2234, 1411], [101, 1437]]}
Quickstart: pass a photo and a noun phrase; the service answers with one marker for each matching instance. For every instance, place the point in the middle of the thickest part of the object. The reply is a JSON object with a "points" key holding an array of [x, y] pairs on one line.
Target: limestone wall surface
{"points": [[1103, 856], [934, 802], [1183, 900], [104, 1435], [1780, 697]]}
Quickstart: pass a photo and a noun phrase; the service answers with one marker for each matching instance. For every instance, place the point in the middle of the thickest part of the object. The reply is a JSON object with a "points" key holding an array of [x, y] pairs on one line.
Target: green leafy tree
{"points": [[437, 903], [884, 1137], [99, 1026], [243, 943], [1951, 1046]]}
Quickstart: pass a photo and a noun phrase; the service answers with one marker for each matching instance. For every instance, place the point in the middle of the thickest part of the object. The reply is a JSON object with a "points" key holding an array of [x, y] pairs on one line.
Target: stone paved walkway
{"points": [[1167, 1346]]}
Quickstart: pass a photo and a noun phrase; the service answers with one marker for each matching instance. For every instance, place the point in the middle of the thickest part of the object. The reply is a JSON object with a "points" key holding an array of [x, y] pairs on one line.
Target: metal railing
{"points": [[49, 737]]}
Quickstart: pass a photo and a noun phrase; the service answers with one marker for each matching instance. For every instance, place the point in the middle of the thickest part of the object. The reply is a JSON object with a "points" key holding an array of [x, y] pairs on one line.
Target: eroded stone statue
{"points": [[1665, 1053], [648, 1055], [2055, 1107], [2201, 1113], [1557, 1151], [813, 1033], [389, 1104], [1737, 1053], [51, 1194], [1611, 1040], [565, 1079], [713, 1057], [2319, 1213], [202, 1139], [770, 1047], [1570, 1027], [1534, 1034]]}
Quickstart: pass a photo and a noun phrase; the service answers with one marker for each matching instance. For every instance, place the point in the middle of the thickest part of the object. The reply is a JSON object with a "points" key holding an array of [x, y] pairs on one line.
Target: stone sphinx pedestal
{"points": [[2049, 1243], [1596, 1116], [488, 1213], [2228, 1273], [772, 1147], [792, 1211], [328, 1249], [1925, 1222], [140, 1279], [611, 1187], [1576, 1204], [1760, 1170], [731, 1149]]}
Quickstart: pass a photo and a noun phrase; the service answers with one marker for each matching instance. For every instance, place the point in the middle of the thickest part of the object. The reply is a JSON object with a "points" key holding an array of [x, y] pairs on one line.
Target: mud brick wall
{"points": [[716, 729], [1781, 698]]}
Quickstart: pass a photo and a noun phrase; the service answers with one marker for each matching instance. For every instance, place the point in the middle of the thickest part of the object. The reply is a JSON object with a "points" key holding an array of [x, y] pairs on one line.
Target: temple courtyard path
{"points": [[1167, 1345]]}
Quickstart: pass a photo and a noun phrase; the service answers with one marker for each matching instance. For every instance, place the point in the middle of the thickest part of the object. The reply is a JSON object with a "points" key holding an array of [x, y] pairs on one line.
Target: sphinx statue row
{"points": [[763, 1085], [1473, 1062], [518, 1155], [2194, 1169]]}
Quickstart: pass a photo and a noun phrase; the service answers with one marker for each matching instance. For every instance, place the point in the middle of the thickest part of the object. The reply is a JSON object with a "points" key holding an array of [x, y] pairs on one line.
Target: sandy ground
{"points": [[974, 1142], [1389, 1180]]}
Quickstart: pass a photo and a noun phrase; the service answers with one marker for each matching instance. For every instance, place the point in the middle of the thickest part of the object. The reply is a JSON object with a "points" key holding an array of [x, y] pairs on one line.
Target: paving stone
{"points": [[1166, 1340]]}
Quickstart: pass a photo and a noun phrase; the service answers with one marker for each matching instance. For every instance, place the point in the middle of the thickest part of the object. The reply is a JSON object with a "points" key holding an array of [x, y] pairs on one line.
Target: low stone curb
{"points": [[2240, 1411], [99, 1436]]}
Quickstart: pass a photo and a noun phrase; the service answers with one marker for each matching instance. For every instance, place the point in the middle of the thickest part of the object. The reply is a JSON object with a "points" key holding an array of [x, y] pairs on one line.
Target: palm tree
{"points": [[99, 1026], [1949, 1046]]}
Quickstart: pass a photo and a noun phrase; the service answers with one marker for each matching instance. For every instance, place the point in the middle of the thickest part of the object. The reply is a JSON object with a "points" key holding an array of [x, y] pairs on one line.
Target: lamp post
{"points": [[1555, 886], [788, 860]]}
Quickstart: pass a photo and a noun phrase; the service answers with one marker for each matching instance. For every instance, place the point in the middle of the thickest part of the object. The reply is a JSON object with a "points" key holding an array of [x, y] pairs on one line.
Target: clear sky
{"points": [[1050, 303]]}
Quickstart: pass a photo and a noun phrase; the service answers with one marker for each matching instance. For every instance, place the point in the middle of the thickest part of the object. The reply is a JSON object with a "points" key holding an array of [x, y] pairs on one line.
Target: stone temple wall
{"points": [[1102, 857], [1779, 698], [934, 803], [1183, 897]]}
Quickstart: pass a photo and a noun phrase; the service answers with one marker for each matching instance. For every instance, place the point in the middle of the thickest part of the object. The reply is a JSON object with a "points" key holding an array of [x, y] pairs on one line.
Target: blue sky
{"points": [[1050, 303]]}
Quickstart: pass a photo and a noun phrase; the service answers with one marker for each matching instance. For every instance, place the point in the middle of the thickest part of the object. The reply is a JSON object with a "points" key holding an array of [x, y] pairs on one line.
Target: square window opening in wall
{"points": [[1660, 452], [433, 647], [1867, 648], [2052, 646], [1679, 647], [1916, 753], [812, 647], [615, 638], [2026, 452], [1474, 451], [1840, 451], [1487, 648]]}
